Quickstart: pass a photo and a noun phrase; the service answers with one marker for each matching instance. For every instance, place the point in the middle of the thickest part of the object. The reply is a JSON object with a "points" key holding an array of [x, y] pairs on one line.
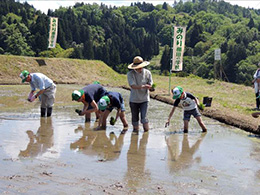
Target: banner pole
{"points": [[170, 71]]}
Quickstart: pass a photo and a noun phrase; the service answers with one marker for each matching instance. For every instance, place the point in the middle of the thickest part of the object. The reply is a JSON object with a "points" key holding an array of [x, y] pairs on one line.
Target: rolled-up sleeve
{"points": [[150, 79], [131, 79]]}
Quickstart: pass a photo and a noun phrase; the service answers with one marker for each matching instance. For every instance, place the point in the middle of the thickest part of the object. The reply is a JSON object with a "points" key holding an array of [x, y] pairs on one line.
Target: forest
{"points": [[116, 34]]}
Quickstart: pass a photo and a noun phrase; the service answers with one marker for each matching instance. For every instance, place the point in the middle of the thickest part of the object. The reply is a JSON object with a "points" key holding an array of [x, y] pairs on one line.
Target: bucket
{"points": [[207, 101]]}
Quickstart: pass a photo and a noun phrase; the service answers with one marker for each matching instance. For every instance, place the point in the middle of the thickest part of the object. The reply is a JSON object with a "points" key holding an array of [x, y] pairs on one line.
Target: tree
{"points": [[88, 51], [165, 60], [193, 35], [251, 23], [77, 53], [165, 6], [16, 43]]}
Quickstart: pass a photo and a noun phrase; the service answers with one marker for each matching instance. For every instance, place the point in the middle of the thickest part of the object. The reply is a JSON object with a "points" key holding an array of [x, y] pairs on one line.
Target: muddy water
{"points": [[63, 155]]}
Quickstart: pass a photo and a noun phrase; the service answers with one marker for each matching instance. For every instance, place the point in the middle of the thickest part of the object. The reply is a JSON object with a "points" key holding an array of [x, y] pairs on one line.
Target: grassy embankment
{"points": [[231, 103]]}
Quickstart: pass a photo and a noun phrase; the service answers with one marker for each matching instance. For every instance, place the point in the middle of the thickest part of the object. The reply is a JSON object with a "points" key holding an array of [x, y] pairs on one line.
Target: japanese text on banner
{"points": [[178, 48], [53, 33]]}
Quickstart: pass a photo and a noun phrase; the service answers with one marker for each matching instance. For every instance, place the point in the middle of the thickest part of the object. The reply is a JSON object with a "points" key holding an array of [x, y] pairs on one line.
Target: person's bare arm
{"points": [[196, 101], [93, 109], [170, 116]]}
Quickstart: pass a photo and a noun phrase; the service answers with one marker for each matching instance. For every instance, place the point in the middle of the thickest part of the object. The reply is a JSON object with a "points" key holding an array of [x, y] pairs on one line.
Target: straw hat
{"points": [[138, 62]]}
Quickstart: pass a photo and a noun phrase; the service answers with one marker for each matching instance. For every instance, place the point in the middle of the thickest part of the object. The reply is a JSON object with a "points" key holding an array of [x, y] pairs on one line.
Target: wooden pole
{"points": [[170, 71]]}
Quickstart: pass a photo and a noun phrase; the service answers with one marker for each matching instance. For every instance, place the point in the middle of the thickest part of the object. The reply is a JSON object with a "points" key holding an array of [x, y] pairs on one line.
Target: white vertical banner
{"points": [[53, 33], [178, 48]]}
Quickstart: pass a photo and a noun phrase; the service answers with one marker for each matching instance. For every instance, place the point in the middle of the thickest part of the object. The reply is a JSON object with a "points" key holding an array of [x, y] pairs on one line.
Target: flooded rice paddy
{"points": [[64, 155]]}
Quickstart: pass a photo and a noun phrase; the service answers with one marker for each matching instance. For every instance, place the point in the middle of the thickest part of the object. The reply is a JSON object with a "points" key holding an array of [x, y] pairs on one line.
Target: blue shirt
{"points": [[94, 92], [40, 81], [116, 99]]}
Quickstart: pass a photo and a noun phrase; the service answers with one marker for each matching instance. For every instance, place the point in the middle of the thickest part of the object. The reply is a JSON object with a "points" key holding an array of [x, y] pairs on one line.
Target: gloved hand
{"points": [[78, 111], [112, 120], [32, 98]]}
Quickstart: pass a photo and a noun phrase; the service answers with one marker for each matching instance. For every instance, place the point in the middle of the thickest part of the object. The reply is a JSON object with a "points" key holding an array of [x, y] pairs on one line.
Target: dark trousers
{"points": [[136, 109], [257, 100]]}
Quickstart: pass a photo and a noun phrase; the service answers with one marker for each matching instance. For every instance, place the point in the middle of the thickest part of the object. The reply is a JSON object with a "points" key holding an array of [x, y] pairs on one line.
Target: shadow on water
{"points": [[182, 158], [40, 142], [136, 174], [97, 143]]}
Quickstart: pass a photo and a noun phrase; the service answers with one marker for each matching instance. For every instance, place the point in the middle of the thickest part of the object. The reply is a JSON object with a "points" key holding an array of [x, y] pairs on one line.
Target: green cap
{"points": [[177, 91], [24, 74], [76, 95], [103, 102]]}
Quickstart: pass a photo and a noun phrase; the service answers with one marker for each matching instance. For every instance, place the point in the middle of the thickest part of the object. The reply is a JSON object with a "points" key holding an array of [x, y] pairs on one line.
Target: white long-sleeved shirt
{"points": [[40, 81]]}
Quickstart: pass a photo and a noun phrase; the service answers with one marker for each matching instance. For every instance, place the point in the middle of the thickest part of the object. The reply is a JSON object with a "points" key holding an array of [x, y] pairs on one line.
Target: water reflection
{"points": [[97, 143], [136, 175], [255, 153], [182, 160], [40, 142]]}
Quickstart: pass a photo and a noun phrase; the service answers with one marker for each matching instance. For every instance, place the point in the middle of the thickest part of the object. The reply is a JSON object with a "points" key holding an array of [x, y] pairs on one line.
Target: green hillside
{"points": [[115, 35], [61, 70]]}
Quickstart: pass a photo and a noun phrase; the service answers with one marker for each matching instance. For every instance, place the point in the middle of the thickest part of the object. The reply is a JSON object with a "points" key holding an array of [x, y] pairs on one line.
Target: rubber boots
{"points": [[43, 112], [257, 100], [49, 111]]}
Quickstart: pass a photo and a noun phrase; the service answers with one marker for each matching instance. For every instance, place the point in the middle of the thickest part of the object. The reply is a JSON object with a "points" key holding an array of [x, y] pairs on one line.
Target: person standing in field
{"points": [[47, 90], [256, 85], [189, 103], [140, 80], [89, 96]]}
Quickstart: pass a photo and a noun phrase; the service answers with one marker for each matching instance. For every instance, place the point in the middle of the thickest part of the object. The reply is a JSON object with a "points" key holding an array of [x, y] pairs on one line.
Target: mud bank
{"points": [[237, 120]]}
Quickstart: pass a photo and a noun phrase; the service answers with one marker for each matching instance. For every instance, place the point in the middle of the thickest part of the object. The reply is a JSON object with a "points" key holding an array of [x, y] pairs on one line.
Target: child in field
{"points": [[189, 103], [106, 104], [89, 96]]}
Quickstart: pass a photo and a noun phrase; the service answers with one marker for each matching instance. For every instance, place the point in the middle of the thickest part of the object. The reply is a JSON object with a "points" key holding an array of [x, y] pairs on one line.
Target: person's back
{"points": [[40, 81], [94, 92], [116, 99]]}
